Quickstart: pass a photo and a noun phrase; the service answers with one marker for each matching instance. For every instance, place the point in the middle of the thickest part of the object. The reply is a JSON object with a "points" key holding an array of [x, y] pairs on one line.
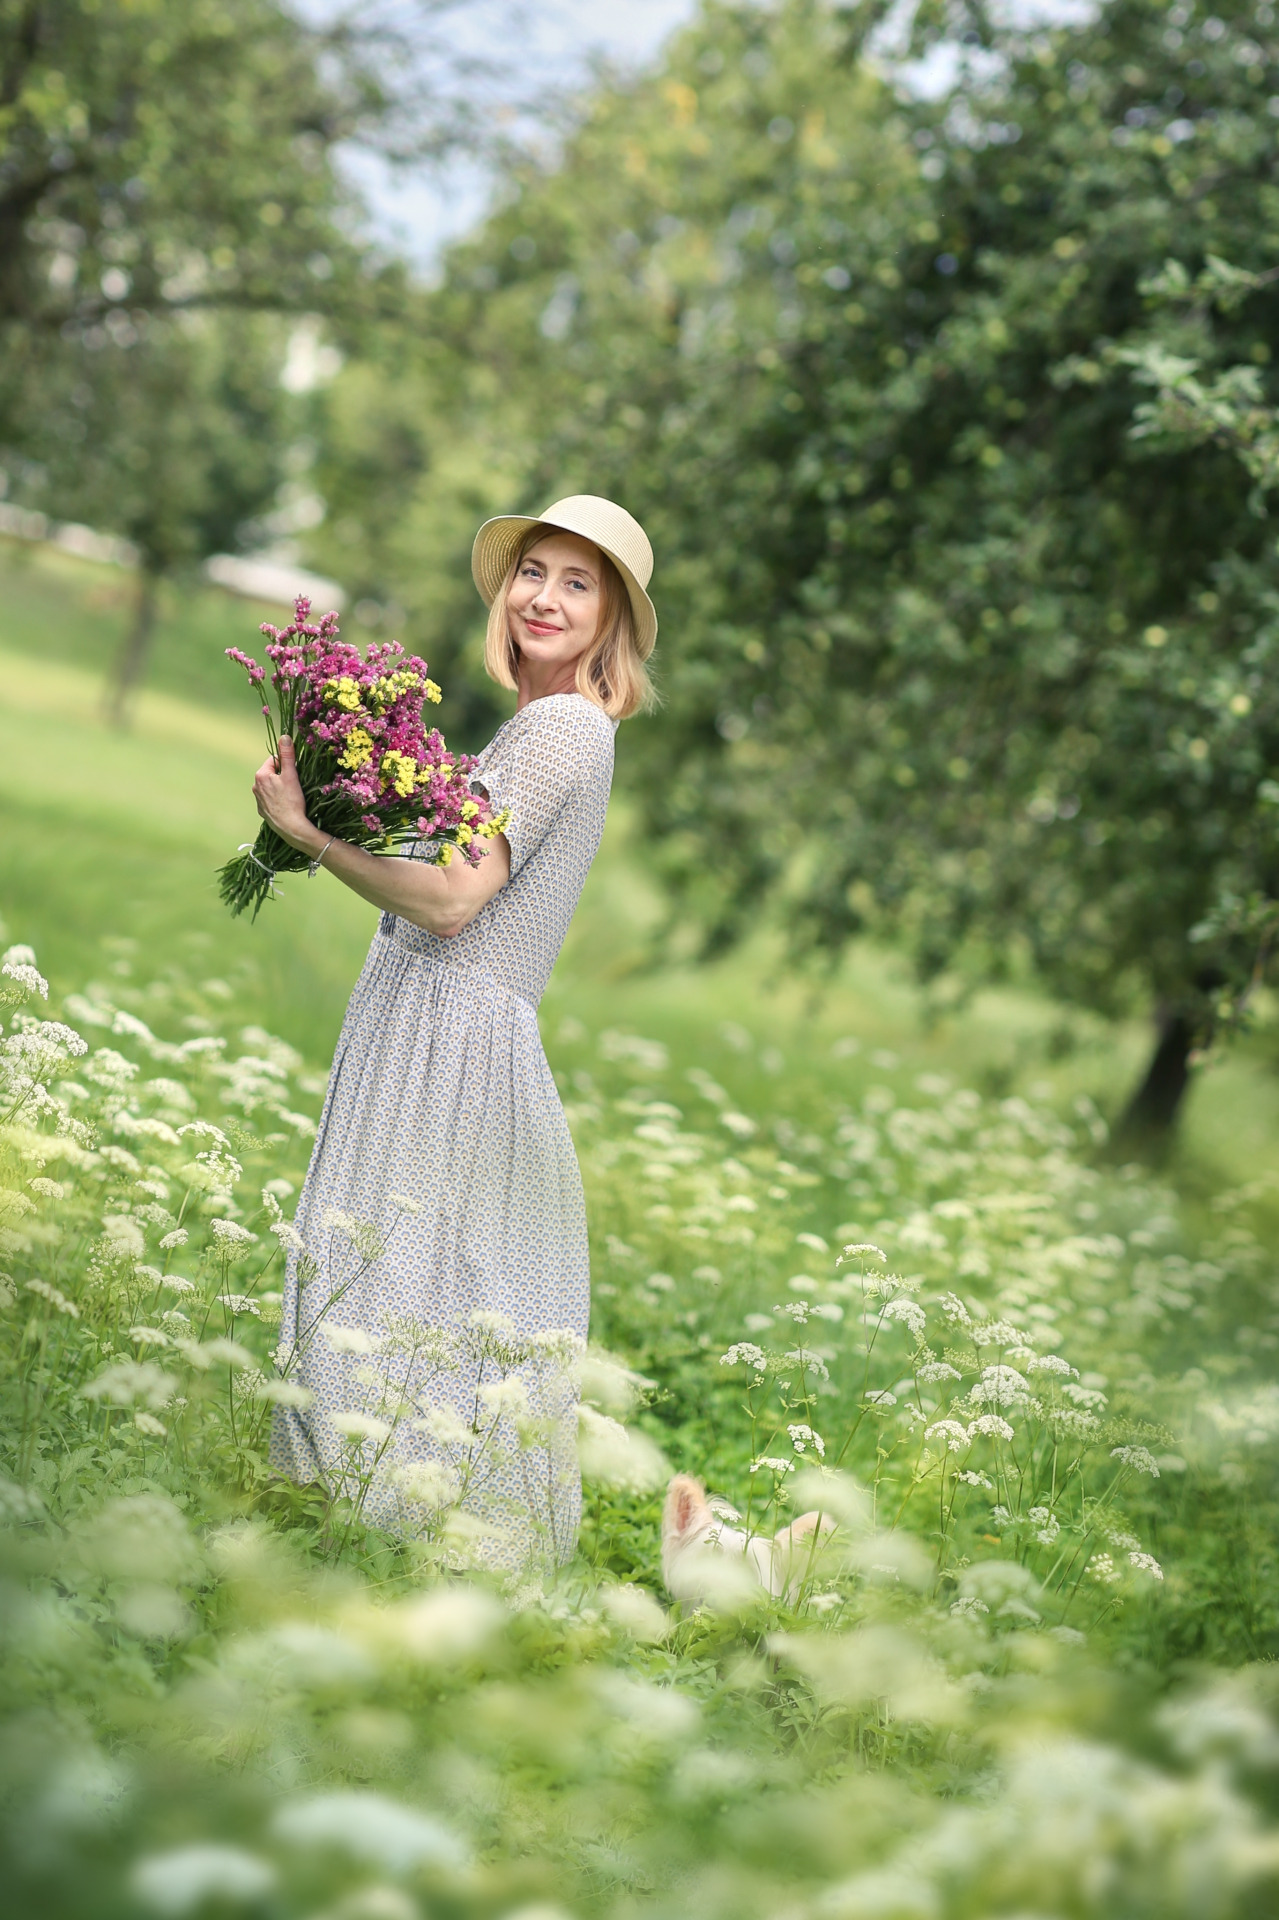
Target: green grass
{"points": [[109, 838]]}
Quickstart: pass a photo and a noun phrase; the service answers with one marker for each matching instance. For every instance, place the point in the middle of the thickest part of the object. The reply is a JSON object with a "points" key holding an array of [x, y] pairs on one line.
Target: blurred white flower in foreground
{"points": [[187, 1878], [370, 1827]]}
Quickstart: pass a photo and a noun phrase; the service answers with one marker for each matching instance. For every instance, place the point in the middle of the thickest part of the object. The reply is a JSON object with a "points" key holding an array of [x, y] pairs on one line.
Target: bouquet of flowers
{"points": [[370, 771]]}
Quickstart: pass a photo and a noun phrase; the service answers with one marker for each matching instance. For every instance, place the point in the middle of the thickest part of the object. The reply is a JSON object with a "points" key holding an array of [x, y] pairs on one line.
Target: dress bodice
{"points": [[551, 764]]}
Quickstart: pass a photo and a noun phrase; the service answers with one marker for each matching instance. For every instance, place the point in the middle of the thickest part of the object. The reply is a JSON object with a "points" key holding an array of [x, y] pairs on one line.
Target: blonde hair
{"points": [[610, 671]]}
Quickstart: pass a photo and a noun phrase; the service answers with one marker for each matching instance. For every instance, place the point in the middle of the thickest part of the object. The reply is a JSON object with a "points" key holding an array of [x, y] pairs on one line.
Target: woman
{"points": [[432, 1335]]}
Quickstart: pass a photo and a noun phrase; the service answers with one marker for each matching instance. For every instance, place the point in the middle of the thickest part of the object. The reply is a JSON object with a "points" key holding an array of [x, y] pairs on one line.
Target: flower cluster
{"points": [[371, 772]]}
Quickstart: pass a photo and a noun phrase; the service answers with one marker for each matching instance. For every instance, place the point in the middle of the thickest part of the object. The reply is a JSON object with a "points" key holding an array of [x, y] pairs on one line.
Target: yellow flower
{"points": [[359, 750], [398, 771], [469, 809], [433, 693], [464, 836], [345, 691], [446, 854]]}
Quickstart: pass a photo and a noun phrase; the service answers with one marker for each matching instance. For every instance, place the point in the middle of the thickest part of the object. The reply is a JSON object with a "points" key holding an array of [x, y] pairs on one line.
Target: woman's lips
{"points": [[540, 626]]}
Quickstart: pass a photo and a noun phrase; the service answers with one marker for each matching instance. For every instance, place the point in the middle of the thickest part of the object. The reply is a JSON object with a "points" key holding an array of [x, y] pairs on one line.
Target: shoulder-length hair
{"points": [[610, 672]]}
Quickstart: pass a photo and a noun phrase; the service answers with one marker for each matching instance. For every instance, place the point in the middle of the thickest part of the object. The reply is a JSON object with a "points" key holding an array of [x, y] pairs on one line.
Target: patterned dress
{"points": [[435, 1337]]}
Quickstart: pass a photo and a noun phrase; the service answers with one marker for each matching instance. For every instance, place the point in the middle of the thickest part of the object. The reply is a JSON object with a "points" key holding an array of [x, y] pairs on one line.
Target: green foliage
{"points": [[216, 1697], [938, 577]]}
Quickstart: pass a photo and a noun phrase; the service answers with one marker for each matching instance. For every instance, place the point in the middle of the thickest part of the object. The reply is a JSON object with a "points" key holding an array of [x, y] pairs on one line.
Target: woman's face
{"points": [[554, 604]]}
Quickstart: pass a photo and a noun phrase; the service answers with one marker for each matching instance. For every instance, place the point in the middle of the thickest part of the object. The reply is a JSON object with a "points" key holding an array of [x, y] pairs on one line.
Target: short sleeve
{"points": [[564, 749]]}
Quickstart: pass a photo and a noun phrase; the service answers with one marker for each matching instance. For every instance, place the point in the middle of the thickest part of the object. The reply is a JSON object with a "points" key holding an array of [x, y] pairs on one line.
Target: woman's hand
{"points": [[278, 792]]}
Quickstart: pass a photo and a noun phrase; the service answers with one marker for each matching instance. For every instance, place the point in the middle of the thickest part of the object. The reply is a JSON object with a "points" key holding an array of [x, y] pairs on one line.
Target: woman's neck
{"points": [[534, 682]]}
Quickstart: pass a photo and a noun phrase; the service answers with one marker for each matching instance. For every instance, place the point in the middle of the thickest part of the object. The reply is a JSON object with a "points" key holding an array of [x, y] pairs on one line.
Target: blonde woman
{"points": [[441, 1092]]}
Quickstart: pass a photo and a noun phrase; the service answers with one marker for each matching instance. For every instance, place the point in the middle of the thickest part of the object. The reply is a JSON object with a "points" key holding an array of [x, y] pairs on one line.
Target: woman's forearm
{"points": [[443, 900]]}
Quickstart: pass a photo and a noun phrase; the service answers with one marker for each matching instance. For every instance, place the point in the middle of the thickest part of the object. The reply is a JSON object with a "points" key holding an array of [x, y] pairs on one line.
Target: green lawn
{"points": [[109, 844]]}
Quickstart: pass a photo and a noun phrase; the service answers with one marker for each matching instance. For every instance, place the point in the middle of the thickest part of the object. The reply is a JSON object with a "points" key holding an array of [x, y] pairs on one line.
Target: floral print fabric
{"points": [[441, 1092]]}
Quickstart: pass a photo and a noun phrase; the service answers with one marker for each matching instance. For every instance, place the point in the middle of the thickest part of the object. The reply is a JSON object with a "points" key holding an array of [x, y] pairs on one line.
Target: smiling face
{"points": [[555, 600]]}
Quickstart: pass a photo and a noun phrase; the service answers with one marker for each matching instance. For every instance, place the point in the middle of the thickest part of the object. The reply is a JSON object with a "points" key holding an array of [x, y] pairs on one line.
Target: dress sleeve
{"points": [[564, 751]]}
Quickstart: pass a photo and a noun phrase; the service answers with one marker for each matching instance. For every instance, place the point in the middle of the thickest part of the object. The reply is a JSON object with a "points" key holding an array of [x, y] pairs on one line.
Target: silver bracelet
{"points": [[313, 866]]}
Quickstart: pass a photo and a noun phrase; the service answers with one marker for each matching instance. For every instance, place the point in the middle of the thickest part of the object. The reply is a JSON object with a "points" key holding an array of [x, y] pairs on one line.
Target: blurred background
{"points": [[934, 345]]}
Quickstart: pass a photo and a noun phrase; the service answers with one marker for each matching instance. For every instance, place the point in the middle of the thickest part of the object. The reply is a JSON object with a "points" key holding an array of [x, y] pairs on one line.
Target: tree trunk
{"points": [[130, 663], [1146, 1125]]}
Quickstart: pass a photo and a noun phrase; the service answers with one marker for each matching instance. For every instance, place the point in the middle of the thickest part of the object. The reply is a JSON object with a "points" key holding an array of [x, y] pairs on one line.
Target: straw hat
{"points": [[609, 526]]}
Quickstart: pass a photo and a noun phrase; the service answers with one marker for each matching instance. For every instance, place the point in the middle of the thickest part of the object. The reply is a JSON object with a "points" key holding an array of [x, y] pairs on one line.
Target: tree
{"points": [[939, 601], [163, 160]]}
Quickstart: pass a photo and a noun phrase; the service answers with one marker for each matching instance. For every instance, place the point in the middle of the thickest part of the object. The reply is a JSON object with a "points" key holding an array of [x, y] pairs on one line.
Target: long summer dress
{"points": [[434, 1341]]}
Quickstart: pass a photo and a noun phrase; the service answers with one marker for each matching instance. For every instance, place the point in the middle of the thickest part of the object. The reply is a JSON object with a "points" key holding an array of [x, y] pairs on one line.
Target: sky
{"points": [[421, 214]]}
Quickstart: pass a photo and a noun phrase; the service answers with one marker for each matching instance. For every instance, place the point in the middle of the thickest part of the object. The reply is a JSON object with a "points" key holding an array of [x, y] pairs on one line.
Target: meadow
{"points": [[1030, 1673]]}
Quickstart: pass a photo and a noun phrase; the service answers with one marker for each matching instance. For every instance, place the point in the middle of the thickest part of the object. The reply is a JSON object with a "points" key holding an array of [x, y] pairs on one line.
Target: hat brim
{"points": [[498, 542]]}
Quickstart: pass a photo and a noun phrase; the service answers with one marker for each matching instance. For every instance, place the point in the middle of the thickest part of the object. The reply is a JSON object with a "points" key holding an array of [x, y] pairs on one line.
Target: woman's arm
{"points": [[441, 899]]}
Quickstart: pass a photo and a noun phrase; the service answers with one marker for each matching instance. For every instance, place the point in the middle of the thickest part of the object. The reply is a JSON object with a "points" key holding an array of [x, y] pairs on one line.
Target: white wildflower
{"points": [[24, 975], [806, 1358], [802, 1437], [1102, 1568], [910, 1315], [745, 1352], [149, 1336], [955, 1435], [1146, 1563], [284, 1393], [177, 1238], [616, 1456], [880, 1397], [127, 1383], [1051, 1363], [859, 1250], [175, 1283], [509, 1396], [125, 1234], [354, 1425], [991, 1426], [934, 1372], [814, 1241], [798, 1310], [491, 1320], [997, 1333], [204, 1130], [561, 1346], [1140, 1459], [239, 1303], [769, 1463], [186, 1878], [148, 1424], [971, 1479], [368, 1827], [1000, 1386], [403, 1204], [1088, 1397], [349, 1339], [20, 955], [954, 1310], [231, 1233], [425, 1483], [446, 1426], [47, 1291], [288, 1236]]}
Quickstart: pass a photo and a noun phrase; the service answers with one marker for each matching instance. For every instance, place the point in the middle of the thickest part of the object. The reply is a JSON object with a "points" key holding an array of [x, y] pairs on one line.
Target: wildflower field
{"points": [[840, 1258]]}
